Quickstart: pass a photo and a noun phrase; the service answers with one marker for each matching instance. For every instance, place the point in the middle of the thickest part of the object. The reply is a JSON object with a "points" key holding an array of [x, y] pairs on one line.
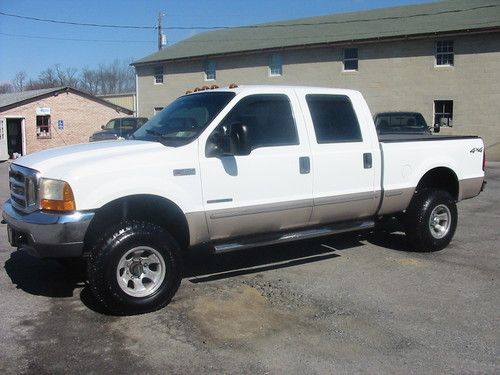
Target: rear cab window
{"points": [[334, 118]]}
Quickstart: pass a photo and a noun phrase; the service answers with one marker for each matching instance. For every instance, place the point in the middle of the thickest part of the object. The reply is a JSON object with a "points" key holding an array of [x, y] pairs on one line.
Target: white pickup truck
{"points": [[233, 168]]}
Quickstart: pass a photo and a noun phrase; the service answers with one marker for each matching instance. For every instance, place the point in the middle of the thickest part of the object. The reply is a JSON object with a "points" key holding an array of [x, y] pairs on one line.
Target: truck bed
{"points": [[401, 137]]}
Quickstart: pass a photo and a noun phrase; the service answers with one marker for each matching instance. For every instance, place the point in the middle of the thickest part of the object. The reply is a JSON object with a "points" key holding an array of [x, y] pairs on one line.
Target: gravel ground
{"points": [[344, 304]]}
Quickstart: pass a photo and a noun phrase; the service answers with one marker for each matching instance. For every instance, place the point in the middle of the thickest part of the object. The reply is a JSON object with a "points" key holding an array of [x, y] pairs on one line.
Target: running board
{"points": [[276, 238]]}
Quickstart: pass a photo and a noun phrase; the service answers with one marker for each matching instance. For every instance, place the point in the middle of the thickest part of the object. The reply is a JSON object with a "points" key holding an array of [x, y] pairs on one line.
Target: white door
{"points": [[4, 151], [343, 160], [268, 190]]}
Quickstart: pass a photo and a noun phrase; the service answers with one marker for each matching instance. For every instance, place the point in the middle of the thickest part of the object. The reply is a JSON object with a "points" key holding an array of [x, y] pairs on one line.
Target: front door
{"points": [[4, 151], [15, 137], [268, 190]]}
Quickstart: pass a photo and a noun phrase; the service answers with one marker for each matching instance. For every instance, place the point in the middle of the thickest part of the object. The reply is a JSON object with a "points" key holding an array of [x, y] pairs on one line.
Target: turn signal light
{"points": [[56, 195]]}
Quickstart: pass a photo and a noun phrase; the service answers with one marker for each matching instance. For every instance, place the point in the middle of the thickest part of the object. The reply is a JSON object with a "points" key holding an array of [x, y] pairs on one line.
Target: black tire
{"points": [[105, 275], [425, 220]]}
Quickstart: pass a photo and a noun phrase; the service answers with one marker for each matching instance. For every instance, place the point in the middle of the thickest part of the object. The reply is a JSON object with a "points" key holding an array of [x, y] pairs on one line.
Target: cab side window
{"points": [[334, 119], [268, 118], [128, 124]]}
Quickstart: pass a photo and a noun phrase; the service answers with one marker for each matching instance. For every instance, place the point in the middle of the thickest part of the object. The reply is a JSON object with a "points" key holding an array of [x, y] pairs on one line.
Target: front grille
{"points": [[23, 188]]}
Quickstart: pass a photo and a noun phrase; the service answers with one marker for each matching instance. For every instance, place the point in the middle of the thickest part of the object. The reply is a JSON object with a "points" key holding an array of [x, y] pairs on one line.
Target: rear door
{"points": [[271, 188], [343, 159]]}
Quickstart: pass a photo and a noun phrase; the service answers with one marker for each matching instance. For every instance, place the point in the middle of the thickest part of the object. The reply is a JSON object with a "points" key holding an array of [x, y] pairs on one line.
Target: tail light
{"points": [[484, 160]]}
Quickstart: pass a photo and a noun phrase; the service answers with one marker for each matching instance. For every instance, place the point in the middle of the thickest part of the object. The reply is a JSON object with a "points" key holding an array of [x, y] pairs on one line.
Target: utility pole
{"points": [[161, 37]]}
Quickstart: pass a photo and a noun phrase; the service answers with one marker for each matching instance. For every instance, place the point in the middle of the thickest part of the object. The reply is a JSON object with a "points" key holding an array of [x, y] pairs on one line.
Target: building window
{"points": [[275, 65], [443, 112], [159, 75], [156, 110], [350, 59], [43, 126], [444, 53], [210, 71]]}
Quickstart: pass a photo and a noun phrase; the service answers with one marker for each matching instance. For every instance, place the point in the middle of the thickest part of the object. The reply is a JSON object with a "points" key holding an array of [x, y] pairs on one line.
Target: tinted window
{"points": [[128, 124], [268, 118], [112, 124], [334, 119]]}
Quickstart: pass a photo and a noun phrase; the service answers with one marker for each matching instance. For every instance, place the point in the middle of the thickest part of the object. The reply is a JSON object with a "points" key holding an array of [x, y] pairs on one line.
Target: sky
{"points": [[32, 46]]}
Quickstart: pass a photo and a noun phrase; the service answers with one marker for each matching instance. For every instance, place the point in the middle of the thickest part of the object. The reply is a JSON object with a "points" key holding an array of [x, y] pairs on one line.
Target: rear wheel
{"points": [[431, 220], [135, 268]]}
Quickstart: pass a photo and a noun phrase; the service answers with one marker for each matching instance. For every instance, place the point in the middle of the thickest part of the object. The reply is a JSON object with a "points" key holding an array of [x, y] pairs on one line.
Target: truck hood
{"points": [[62, 161]]}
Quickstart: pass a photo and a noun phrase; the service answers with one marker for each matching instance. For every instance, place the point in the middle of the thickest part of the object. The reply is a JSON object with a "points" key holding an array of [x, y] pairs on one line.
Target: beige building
{"points": [[441, 59], [39, 119], [125, 100]]}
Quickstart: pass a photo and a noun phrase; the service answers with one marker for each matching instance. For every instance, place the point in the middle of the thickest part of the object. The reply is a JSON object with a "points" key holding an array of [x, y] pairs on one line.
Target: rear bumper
{"points": [[47, 235]]}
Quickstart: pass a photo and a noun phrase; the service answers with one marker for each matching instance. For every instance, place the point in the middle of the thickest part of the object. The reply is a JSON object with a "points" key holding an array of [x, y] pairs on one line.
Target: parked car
{"points": [[118, 128], [401, 123], [231, 169]]}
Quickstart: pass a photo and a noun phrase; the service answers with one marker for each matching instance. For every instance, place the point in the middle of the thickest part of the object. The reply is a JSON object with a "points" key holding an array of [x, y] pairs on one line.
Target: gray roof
{"points": [[15, 99], [435, 17]]}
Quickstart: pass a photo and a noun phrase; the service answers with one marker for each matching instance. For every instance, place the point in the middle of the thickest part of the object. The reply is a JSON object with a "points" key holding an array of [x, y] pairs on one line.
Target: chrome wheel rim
{"points": [[140, 271], [440, 221]]}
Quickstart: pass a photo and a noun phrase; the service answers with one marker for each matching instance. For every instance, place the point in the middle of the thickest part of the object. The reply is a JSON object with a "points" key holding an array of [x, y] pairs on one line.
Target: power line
{"points": [[78, 23], [76, 39], [262, 26]]}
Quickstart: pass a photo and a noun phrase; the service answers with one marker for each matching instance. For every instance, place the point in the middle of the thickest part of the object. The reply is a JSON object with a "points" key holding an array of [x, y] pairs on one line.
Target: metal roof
{"points": [[16, 99], [426, 18]]}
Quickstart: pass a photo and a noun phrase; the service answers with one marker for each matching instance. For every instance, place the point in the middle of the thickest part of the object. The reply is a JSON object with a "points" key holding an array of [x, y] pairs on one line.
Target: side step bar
{"points": [[276, 238]]}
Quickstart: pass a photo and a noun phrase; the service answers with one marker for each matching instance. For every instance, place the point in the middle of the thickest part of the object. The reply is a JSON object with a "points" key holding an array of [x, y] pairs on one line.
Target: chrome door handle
{"points": [[367, 160], [304, 165]]}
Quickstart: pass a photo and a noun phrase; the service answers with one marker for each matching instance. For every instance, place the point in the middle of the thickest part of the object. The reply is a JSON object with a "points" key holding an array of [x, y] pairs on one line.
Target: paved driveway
{"points": [[347, 304]]}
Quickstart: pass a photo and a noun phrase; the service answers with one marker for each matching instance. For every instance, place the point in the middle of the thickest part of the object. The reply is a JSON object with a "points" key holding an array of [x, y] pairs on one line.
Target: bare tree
{"points": [[19, 80], [115, 77], [6, 88]]}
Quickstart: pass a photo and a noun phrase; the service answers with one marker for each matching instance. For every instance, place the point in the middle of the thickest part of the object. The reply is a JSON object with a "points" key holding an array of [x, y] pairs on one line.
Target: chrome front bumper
{"points": [[47, 235]]}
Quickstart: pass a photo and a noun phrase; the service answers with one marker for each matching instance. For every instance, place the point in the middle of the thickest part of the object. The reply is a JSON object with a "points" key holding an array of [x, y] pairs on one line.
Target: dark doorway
{"points": [[14, 137]]}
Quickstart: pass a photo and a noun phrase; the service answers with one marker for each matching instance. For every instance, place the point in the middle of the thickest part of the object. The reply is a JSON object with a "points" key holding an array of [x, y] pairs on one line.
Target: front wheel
{"points": [[135, 268], [431, 220]]}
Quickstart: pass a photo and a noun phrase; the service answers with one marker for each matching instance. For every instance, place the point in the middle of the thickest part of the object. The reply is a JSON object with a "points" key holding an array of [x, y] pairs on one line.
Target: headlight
{"points": [[56, 195]]}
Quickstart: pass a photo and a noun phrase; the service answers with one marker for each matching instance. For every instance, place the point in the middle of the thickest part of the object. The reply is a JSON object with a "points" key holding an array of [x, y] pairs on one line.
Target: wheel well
{"points": [[151, 208], [441, 178]]}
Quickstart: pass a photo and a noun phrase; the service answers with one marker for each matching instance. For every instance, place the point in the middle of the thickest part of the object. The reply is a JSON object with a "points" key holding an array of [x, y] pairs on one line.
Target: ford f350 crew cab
{"points": [[233, 168]]}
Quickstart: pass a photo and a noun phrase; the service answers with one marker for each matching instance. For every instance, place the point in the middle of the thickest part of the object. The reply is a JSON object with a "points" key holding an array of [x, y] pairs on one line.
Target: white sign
{"points": [[43, 111]]}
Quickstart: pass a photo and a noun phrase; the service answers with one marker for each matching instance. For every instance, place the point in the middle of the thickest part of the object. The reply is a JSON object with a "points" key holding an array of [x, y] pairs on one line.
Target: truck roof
{"points": [[280, 88]]}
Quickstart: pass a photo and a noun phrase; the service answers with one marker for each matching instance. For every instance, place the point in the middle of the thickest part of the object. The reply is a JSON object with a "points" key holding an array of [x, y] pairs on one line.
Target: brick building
{"points": [[35, 120], [441, 59]]}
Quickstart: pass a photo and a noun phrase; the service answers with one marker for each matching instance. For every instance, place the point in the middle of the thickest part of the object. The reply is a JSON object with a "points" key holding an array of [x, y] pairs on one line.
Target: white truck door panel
{"points": [[344, 159], [264, 191]]}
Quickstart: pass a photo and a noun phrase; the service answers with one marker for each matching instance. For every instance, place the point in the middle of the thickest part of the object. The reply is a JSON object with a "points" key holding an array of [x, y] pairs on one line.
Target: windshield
{"points": [[184, 119], [111, 125], [400, 123]]}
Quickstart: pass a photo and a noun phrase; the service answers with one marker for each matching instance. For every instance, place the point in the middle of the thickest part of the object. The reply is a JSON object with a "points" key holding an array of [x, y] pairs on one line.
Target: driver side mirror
{"points": [[229, 141], [103, 126], [437, 128], [238, 139]]}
